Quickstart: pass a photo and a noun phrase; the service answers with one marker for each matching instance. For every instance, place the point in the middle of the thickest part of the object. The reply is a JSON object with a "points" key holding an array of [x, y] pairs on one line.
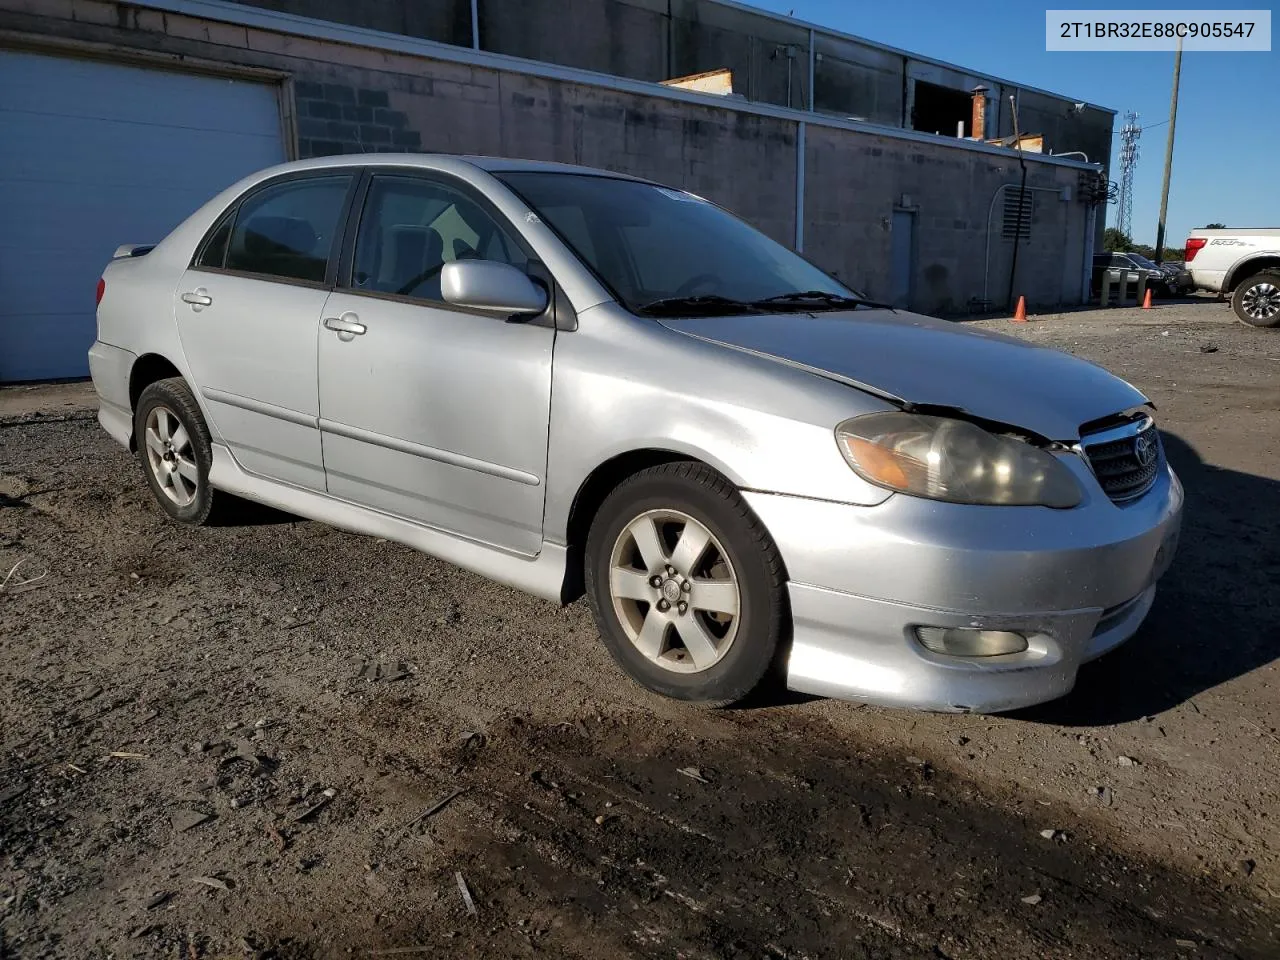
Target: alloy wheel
{"points": [[674, 590], [170, 456], [1261, 301]]}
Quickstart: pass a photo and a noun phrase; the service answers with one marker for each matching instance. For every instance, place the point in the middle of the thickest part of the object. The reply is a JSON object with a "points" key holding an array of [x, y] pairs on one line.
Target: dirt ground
{"points": [[273, 739]]}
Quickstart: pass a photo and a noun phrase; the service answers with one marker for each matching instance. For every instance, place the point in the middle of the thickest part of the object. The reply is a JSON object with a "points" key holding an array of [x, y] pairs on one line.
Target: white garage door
{"points": [[95, 155]]}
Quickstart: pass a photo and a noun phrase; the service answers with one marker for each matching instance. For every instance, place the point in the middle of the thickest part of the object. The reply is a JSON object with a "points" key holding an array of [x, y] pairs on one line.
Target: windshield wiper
{"points": [[702, 304], [809, 299]]}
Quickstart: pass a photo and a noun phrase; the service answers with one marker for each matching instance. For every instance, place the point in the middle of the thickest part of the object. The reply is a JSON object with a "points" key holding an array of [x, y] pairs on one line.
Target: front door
{"points": [[429, 412], [248, 314]]}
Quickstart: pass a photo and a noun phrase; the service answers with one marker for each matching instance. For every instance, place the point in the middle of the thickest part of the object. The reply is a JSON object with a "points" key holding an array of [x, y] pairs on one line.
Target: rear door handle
{"points": [[347, 326], [198, 297]]}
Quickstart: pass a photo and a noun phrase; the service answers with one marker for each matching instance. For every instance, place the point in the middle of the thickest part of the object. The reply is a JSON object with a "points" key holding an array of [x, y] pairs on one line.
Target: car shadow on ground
{"points": [[1216, 612], [237, 512]]}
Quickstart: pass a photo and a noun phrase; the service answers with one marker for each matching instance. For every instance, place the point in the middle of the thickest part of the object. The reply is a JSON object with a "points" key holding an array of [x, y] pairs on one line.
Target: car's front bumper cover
{"points": [[1076, 582]]}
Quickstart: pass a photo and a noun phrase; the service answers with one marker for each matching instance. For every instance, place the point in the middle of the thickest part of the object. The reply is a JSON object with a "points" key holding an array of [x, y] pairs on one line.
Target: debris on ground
{"points": [[431, 811], [1124, 761], [10, 585], [316, 807], [280, 840], [466, 893], [693, 773], [1032, 900], [382, 673], [184, 820], [216, 883]]}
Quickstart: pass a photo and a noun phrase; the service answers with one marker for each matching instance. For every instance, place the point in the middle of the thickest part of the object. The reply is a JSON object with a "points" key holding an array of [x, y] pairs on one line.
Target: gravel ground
{"points": [[249, 740]]}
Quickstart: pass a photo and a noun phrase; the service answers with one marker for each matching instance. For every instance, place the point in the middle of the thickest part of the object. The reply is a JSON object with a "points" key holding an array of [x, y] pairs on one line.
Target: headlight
{"points": [[953, 460]]}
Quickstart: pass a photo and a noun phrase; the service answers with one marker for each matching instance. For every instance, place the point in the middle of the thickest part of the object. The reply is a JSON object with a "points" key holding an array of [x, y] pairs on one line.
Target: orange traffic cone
{"points": [[1146, 301], [1020, 315]]}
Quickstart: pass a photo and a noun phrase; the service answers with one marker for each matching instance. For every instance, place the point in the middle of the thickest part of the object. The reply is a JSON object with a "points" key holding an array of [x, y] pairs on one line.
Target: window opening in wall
{"points": [[940, 109]]}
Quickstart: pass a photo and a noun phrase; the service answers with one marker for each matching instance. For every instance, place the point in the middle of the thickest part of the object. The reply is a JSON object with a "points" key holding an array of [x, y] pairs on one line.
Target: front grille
{"points": [[1125, 459]]}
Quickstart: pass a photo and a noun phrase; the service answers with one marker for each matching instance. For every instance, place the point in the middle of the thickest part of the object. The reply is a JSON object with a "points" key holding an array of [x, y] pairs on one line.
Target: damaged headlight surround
{"points": [[940, 458]]}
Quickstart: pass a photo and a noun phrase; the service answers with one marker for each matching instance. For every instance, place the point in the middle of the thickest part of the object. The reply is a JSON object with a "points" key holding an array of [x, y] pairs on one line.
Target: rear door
{"points": [[248, 314], [427, 411]]}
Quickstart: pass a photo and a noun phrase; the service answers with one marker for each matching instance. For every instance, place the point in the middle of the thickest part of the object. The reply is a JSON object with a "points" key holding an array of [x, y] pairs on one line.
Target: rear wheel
{"points": [[686, 586], [175, 450], [1256, 300]]}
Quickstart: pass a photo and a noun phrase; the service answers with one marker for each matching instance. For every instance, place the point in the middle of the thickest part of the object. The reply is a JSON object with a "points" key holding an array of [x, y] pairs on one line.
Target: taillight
{"points": [[1193, 247], [102, 288]]}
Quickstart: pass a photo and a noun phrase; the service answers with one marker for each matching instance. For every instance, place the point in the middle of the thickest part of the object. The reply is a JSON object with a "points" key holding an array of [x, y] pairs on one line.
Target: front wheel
{"points": [[1256, 300], [686, 586]]}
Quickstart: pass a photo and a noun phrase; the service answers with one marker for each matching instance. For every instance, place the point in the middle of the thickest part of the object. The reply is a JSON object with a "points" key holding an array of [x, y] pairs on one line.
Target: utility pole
{"points": [[1168, 153]]}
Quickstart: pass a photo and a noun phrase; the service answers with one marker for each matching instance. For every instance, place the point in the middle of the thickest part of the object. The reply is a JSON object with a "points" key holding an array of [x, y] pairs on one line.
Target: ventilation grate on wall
{"points": [[1019, 205]]}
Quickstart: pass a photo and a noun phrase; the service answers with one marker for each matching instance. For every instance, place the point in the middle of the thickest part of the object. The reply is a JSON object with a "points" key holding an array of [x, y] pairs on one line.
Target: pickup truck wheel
{"points": [[174, 449], [686, 586], [1256, 300]]}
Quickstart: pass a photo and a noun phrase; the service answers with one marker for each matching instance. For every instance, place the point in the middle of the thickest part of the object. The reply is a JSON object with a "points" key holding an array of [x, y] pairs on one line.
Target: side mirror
{"points": [[493, 287]]}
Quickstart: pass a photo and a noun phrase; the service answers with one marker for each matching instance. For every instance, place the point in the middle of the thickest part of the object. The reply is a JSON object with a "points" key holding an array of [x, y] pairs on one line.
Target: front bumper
{"points": [[1076, 582]]}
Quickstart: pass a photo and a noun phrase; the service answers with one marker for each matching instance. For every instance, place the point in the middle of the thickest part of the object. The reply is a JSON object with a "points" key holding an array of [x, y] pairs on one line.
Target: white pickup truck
{"points": [[1242, 263]]}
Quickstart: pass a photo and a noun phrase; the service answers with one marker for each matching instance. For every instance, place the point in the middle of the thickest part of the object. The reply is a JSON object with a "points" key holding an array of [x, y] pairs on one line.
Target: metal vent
{"points": [[1019, 205], [1125, 459]]}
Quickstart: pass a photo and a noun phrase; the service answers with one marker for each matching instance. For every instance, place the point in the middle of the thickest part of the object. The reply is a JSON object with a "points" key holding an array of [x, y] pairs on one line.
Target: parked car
{"points": [[1134, 266], [1181, 280], [569, 380], [1172, 281], [1243, 264]]}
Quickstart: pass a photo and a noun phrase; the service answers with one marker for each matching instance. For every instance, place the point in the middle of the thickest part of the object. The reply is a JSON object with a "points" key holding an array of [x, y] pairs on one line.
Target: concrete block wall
{"points": [[336, 118], [348, 98], [744, 162], [660, 39], [854, 182]]}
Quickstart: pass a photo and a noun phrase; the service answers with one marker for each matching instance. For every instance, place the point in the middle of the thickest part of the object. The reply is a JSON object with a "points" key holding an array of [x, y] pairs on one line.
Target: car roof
{"points": [[445, 161]]}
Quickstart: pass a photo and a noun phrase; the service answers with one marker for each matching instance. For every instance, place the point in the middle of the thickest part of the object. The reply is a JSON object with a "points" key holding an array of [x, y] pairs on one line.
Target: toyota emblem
{"points": [[1144, 449]]}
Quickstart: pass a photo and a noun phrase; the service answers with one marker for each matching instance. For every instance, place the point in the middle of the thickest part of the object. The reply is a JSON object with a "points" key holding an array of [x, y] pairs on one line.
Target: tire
{"points": [[1256, 299], [723, 623], [174, 450]]}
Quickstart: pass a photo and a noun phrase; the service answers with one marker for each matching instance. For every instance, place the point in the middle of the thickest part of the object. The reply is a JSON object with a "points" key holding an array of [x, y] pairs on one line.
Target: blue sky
{"points": [[1226, 160]]}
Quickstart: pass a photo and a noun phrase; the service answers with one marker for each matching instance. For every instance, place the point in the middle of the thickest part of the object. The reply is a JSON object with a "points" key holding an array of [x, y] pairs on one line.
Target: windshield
{"points": [[1142, 261], [662, 251]]}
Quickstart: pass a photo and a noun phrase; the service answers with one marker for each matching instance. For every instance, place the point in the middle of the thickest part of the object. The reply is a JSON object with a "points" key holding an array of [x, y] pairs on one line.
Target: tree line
{"points": [[1113, 241]]}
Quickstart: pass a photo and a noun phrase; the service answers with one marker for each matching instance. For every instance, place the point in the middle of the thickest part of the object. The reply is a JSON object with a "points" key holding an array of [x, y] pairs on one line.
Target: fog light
{"points": [[968, 642]]}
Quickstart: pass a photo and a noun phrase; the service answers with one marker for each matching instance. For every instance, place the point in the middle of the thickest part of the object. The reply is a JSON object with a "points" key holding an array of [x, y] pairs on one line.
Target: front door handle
{"points": [[198, 298], [346, 326]]}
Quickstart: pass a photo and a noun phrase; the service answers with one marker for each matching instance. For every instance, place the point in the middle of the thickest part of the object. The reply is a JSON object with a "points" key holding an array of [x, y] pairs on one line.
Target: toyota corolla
{"points": [[573, 381]]}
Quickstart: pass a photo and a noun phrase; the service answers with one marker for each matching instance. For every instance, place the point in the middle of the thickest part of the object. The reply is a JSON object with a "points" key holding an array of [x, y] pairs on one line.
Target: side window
{"points": [[411, 227], [214, 251], [288, 230]]}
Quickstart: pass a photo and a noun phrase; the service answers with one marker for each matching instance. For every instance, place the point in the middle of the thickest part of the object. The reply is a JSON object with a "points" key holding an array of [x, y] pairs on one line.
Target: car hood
{"points": [[922, 361]]}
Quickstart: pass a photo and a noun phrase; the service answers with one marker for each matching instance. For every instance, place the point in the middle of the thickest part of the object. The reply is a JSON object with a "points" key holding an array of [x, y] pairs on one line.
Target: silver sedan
{"points": [[574, 381]]}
